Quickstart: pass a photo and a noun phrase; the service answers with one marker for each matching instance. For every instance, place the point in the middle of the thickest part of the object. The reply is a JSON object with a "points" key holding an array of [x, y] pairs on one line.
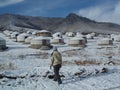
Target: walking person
{"points": [[56, 62]]}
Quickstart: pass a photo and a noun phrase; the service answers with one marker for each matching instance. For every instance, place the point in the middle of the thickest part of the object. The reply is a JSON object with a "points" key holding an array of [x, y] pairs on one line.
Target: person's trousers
{"points": [[56, 72]]}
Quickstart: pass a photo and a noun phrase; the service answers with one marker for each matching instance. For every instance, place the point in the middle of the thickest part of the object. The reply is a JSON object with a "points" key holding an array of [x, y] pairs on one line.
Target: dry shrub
{"points": [[109, 54], [43, 55], [87, 62], [22, 57], [67, 63], [1, 66], [9, 66], [71, 53]]}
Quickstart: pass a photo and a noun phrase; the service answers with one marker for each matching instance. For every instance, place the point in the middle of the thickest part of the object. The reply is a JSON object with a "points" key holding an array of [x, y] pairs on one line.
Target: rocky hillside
{"points": [[72, 22]]}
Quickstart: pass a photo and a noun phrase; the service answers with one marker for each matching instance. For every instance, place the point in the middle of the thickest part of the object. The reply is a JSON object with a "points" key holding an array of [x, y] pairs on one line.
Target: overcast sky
{"points": [[99, 10]]}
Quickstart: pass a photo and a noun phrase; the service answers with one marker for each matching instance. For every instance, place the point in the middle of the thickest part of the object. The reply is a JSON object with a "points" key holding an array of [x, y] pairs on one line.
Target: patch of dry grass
{"points": [[9, 66], [71, 53], [67, 63], [87, 62], [82, 63]]}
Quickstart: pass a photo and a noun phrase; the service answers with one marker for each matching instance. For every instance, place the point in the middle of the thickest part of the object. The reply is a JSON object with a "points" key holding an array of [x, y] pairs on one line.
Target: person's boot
{"points": [[55, 80], [60, 82]]}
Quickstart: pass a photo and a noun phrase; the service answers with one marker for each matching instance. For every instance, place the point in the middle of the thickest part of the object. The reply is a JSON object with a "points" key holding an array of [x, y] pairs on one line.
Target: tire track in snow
{"points": [[85, 85], [43, 86]]}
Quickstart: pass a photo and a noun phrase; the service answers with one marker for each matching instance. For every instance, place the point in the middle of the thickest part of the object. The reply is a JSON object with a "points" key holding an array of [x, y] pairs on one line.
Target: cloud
{"points": [[9, 2], [103, 13]]}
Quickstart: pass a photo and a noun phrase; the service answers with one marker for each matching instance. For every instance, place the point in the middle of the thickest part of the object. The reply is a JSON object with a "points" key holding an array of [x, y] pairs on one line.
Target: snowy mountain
{"points": [[72, 22]]}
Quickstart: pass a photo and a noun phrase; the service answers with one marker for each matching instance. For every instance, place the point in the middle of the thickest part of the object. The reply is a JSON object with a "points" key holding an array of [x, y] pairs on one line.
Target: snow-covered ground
{"points": [[25, 67]]}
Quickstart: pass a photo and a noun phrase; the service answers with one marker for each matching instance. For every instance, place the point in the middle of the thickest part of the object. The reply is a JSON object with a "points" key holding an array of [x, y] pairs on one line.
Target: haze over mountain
{"points": [[71, 22]]}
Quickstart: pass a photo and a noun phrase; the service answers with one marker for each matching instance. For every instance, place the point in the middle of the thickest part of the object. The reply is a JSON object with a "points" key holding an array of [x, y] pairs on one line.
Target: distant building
{"points": [[22, 37], [42, 43], [14, 35], [57, 40], [105, 41], [44, 33], [79, 42], [28, 39]]}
